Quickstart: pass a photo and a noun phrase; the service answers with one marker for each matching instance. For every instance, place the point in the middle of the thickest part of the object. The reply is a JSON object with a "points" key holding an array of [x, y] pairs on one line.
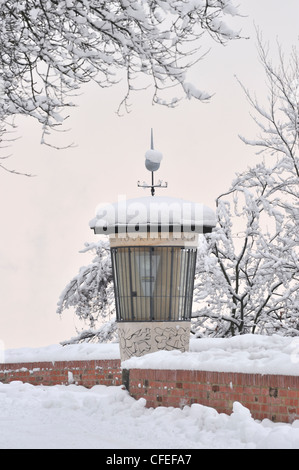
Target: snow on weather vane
{"points": [[152, 163]]}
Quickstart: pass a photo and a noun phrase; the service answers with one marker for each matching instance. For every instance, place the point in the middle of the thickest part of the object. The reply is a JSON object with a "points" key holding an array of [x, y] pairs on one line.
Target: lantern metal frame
{"points": [[153, 283]]}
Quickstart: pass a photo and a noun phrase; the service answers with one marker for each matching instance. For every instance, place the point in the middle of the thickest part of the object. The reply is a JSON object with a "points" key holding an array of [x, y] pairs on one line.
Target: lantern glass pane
{"points": [[153, 283]]}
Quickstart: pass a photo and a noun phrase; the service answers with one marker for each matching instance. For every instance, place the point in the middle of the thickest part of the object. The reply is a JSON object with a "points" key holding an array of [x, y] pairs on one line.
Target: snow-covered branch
{"points": [[279, 123], [49, 48], [90, 292]]}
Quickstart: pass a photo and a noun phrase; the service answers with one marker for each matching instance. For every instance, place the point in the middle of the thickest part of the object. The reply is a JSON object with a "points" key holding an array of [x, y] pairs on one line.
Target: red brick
{"points": [[293, 393]]}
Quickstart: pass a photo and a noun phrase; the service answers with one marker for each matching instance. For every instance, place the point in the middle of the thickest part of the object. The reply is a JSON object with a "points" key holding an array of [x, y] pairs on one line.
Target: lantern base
{"points": [[140, 338]]}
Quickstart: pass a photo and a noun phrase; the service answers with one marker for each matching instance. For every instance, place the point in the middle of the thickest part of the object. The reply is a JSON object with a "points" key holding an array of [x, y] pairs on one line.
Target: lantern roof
{"points": [[153, 213]]}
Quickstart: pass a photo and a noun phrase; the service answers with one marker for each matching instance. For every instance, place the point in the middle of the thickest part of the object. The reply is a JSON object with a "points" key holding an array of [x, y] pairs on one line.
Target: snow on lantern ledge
{"points": [[154, 215]]}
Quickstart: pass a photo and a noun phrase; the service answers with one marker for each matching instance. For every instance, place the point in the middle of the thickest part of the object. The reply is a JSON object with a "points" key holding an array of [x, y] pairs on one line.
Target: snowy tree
{"points": [[248, 273], [279, 126], [90, 293], [249, 280], [49, 48]]}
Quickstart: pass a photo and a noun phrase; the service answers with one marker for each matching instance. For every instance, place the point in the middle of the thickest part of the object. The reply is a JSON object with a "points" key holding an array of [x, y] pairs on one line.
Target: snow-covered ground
{"points": [[108, 418]]}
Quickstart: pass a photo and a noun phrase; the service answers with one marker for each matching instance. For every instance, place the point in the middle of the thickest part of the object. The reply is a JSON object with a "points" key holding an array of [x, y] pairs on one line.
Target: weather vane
{"points": [[152, 162]]}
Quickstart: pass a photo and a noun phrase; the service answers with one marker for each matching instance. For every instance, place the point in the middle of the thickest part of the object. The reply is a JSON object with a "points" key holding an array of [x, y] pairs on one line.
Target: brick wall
{"points": [[86, 373], [275, 397]]}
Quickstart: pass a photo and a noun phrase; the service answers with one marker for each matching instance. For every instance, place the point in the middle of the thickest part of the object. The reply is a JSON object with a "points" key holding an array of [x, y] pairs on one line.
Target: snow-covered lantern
{"points": [[153, 243]]}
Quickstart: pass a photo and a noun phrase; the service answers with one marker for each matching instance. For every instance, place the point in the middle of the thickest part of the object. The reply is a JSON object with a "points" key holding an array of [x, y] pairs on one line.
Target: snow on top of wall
{"points": [[57, 352], [247, 353], [150, 210], [252, 354]]}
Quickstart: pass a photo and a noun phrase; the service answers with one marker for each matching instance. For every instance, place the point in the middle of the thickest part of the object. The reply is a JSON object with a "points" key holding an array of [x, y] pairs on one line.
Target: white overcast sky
{"points": [[44, 220]]}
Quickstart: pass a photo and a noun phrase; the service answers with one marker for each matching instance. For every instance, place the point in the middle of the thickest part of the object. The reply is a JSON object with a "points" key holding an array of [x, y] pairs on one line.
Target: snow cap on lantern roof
{"points": [[149, 213]]}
